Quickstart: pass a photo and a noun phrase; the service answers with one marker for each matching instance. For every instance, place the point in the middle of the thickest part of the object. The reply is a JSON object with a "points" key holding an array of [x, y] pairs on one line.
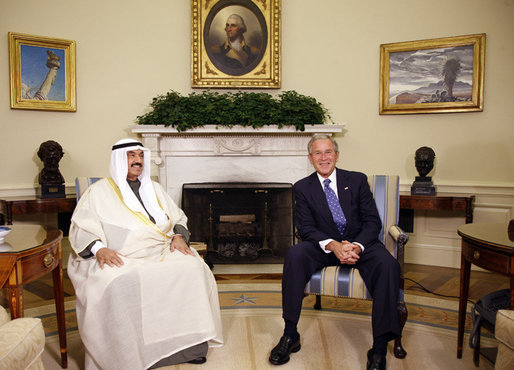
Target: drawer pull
{"points": [[48, 260], [476, 255]]}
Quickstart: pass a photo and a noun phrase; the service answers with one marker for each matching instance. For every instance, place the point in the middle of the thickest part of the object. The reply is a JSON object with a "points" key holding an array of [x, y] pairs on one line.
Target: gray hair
{"points": [[322, 137], [239, 21]]}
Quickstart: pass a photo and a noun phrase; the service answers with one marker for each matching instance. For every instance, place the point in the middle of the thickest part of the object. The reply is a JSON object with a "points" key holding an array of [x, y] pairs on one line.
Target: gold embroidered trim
{"points": [[139, 215]]}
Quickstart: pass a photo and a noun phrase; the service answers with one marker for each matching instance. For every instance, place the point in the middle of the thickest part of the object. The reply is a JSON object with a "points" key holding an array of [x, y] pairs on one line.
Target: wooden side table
{"points": [[29, 205], [439, 203], [486, 245], [29, 252]]}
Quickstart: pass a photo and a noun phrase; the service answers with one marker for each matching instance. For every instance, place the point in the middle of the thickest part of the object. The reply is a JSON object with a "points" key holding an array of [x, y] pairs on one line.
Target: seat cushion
{"points": [[22, 342], [338, 281]]}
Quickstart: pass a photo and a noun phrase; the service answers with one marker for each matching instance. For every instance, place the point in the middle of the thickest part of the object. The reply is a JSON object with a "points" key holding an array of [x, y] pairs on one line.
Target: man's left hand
{"points": [[178, 243]]}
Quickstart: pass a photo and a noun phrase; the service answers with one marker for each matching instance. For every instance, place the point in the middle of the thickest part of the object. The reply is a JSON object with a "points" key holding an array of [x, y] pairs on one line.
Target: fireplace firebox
{"points": [[240, 222]]}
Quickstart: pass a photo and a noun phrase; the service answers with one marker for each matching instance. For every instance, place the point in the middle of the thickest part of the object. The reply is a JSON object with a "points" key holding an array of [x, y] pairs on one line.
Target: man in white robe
{"points": [[144, 298]]}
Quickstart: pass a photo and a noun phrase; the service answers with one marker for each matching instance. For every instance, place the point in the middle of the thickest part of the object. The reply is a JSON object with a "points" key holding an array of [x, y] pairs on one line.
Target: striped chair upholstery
{"points": [[345, 281], [82, 183]]}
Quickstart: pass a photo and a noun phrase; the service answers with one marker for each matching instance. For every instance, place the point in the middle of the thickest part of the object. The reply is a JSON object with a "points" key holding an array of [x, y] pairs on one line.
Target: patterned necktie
{"points": [[335, 207]]}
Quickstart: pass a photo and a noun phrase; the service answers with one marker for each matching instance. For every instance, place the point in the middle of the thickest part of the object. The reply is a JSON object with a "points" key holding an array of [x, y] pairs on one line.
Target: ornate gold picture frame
{"points": [[42, 73], [433, 76], [235, 43]]}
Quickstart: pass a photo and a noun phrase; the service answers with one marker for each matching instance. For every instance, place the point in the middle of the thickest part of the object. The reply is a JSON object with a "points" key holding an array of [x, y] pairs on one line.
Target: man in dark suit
{"points": [[338, 223]]}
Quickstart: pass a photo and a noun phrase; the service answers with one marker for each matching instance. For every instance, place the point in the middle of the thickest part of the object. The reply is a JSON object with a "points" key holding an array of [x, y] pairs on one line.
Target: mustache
{"points": [[136, 164]]}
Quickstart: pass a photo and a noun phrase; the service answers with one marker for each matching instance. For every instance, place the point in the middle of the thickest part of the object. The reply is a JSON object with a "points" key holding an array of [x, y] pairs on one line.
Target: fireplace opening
{"points": [[240, 222]]}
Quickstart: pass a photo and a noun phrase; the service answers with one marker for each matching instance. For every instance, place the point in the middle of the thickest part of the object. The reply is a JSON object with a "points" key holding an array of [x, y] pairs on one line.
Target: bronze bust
{"points": [[424, 158], [50, 152]]}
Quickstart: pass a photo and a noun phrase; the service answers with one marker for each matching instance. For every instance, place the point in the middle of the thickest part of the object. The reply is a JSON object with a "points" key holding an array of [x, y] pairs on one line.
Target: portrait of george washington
{"points": [[235, 36]]}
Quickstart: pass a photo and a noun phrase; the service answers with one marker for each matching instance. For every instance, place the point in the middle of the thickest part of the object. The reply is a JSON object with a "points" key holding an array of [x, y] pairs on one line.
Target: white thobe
{"points": [[156, 304]]}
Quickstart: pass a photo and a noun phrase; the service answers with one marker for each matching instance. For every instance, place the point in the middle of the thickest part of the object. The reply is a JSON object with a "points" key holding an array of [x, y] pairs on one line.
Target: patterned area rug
{"points": [[434, 312], [251, 316]]}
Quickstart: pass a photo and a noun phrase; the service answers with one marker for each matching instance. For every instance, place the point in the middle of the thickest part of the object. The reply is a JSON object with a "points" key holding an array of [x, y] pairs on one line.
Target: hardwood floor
{"points": [[446, 281], [441, 282], [438, 280]]}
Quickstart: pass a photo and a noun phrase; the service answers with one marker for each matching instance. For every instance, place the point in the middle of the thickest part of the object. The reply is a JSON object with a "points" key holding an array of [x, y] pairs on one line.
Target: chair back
{"points": [[82, 183], [386, 192]]}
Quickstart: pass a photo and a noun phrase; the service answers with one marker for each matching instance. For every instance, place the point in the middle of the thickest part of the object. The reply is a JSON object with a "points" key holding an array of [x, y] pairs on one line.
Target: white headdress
{"points": [[119, 170]]}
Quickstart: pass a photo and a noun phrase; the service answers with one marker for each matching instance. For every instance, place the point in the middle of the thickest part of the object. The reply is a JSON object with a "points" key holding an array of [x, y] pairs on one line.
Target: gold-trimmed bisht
{"points": [[144, 219]]}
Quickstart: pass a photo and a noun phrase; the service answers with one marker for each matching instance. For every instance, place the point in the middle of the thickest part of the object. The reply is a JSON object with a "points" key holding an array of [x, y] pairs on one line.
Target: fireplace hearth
{"points": [[240, 222]]}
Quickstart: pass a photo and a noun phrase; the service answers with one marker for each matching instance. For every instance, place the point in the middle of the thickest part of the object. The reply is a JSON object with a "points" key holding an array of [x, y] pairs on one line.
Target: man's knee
{"points": [[390, 266], [296, 253], [382, 265], [394, 266]]}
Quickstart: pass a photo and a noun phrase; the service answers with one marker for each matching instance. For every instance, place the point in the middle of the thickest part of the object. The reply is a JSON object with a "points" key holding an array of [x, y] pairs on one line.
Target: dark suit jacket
{"points": [[313, 218]]}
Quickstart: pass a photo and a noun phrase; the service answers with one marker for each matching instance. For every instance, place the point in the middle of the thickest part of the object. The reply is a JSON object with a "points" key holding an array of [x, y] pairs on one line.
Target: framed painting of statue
{"points": [[433, 76], [235, 43], [42, 73]]}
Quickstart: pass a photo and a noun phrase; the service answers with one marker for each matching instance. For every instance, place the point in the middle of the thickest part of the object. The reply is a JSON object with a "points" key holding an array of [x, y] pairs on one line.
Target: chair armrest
{"points": [[401, 238], [22, 341], [398, 235]]}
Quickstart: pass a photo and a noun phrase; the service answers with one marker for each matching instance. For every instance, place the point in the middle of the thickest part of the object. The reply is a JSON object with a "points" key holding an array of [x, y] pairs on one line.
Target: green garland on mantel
{"points": [[231, 109]]}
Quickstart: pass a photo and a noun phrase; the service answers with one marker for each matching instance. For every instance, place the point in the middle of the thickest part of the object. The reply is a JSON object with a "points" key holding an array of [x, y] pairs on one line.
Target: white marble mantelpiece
{"points": [[236, 130], [221, 154]]}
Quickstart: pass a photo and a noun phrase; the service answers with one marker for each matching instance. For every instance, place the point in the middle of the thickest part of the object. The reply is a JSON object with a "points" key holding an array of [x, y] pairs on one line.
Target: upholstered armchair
{"points": [[82, 183], [22, 341], [504, 333], [345, 281]]}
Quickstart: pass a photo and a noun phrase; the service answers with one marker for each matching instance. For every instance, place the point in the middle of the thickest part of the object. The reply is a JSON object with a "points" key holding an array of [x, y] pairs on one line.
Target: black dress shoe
{"points": [[280, 354], [198, 361], [375, 361]]}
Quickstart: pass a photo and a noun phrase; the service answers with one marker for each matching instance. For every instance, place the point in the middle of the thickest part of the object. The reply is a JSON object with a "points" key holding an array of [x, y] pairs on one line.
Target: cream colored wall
{"points": [[129, 51]]}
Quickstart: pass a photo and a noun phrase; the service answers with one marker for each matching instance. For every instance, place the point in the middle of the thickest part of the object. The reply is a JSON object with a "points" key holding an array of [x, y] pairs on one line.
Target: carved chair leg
{"points": [[398, 350], [317, 304]]}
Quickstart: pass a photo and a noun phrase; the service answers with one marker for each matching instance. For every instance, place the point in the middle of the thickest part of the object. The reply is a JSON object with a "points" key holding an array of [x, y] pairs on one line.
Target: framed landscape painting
{"points": [[235, 43], [432, 76], [42, 73]]}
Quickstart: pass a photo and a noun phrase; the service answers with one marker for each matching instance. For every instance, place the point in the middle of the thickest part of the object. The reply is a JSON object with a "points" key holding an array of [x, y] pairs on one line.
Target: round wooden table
{"points": [[489, 246], [29, 252]]}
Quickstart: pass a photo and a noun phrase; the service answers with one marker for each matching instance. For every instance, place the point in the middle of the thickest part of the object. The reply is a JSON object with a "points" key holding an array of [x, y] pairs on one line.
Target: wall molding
{"points": [[466, 189], [28, 190], [434, 241]]}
